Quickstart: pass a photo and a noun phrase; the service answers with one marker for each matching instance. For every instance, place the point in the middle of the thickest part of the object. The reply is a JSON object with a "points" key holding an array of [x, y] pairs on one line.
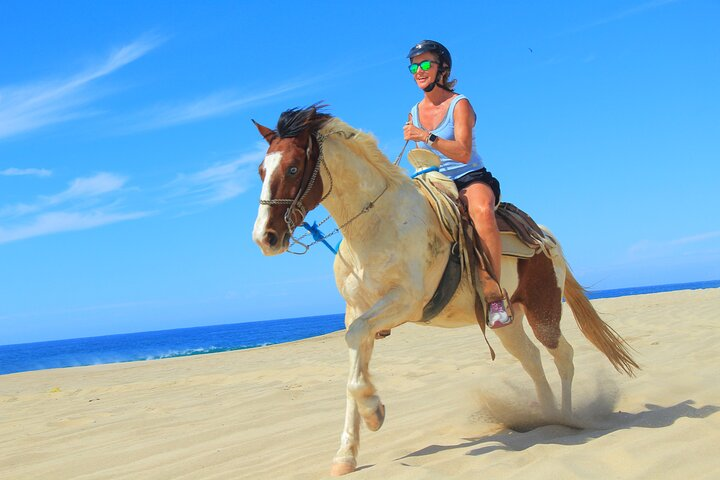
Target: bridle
{"points": [[295, 204]]}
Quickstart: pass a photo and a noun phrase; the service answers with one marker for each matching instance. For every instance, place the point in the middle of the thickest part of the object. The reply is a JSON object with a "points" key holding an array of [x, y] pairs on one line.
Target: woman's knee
{"points": [[482, 211]]}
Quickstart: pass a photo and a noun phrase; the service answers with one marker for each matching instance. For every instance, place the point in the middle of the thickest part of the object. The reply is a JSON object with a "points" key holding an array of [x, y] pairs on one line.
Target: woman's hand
{"points": [[411, 132]]}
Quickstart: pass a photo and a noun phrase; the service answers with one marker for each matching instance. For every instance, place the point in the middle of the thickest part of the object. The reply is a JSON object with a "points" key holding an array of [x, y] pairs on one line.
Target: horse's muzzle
{"points": [[272, 242]]}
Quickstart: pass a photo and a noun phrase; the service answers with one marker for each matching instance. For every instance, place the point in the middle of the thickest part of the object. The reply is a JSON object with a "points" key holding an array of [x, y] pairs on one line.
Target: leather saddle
{"points": [[521, 236]]}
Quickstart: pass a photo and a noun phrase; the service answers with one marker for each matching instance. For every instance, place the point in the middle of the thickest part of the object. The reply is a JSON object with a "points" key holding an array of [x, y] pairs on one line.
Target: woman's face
{"points": [[425, 78]]}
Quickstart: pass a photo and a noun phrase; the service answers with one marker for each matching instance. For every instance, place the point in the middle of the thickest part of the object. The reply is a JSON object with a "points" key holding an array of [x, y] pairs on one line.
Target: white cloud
{"points": [[83, 188], [225, 102], [218, 183], [695, 238], [642, 8], [212, 105], [29, 107], [38, 172], [678, 246], [55, 222], [101, 199], [94, 186], [87, 202]]}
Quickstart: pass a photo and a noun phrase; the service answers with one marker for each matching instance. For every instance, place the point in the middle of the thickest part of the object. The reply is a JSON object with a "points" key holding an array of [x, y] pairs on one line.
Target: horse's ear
{"points": [[267, 134]]}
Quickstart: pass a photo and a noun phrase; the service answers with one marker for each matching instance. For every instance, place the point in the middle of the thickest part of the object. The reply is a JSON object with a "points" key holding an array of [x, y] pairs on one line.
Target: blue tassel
{"points": [[317, 235]]}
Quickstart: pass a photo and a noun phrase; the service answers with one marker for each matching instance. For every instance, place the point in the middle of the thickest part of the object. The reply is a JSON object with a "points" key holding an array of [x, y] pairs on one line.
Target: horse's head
{"points": [[291, 178]]}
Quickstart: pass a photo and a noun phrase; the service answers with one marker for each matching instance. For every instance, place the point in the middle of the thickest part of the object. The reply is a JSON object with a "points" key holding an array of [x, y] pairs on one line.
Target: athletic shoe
{"points": [[498, 316]]}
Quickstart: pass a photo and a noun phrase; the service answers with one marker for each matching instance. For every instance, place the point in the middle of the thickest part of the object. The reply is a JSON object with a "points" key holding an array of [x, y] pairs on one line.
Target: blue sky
{"points": [[128, 162]]}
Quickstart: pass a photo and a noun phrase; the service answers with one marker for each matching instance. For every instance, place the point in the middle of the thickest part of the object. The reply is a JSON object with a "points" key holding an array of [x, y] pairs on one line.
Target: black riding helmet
{"points": [[443, 56]]}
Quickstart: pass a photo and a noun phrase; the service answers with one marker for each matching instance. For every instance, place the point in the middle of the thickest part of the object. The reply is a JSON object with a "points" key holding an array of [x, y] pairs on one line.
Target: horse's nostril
{"points": [[271, 238]]}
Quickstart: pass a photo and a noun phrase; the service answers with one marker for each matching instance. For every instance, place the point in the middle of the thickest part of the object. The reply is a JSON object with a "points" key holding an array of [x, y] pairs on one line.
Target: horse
{"points": [[393, 255]]}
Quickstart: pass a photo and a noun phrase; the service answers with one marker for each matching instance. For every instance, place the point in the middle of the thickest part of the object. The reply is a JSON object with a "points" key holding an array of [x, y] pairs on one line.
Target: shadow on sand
{"points": [[513, 440]]}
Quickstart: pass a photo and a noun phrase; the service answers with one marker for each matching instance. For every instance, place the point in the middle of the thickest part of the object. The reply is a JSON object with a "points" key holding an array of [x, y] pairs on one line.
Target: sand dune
{"points": [[277, 412]]}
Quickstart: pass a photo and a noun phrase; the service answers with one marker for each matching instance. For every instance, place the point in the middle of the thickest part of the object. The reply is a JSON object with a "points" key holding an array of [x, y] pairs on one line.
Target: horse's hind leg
{"points": [[517, 343], [541, 281], [563, 356]]}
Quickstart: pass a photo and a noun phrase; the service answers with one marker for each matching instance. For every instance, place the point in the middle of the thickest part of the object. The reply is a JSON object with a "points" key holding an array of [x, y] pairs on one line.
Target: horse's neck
{"points": [[355, 183]]}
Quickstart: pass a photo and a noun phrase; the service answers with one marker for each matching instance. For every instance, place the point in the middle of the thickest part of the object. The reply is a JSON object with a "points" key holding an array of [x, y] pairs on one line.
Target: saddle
{"points": [[521, 237]]}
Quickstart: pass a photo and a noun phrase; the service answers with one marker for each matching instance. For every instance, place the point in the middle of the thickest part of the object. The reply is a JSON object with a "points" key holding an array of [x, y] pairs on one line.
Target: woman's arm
{"points": [[459, 149]]}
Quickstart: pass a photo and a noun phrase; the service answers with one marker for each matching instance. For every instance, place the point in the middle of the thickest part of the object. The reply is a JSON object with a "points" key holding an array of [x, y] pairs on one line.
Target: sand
{"points": [[277, 412]]}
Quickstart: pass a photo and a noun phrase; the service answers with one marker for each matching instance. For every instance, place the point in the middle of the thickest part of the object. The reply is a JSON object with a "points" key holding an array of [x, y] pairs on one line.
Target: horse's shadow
{"points": [[512, 440]]}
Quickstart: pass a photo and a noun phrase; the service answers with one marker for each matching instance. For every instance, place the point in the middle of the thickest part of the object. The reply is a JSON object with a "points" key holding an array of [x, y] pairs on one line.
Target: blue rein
{"points": [[424, 170]]}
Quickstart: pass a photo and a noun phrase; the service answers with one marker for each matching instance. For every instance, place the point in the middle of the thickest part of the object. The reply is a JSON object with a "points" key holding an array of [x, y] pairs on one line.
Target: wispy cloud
{"points": [[55, 222], [218, 183], [81, 189], [38, 172], [695, 238], [28, 107], [642, 8], [215, 104], [89, 187], [87, 202], [225, 102], [678, 246], [104, 198]]}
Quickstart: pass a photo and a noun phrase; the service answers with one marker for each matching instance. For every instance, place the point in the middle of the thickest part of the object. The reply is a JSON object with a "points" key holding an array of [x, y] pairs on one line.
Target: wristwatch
{"points": [[431, 139]]}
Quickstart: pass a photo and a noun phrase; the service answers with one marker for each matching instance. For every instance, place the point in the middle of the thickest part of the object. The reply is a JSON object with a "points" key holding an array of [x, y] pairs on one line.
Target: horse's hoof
{"points": [[341, 468], [375, 421]]}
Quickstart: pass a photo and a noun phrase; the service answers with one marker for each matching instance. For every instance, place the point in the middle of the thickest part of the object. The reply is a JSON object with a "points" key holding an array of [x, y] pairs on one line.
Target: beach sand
{"points": [[277, 411]]}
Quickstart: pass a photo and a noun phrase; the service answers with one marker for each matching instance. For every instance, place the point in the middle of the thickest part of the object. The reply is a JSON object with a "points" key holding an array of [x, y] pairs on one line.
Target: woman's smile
{"points": [[423, 78]]}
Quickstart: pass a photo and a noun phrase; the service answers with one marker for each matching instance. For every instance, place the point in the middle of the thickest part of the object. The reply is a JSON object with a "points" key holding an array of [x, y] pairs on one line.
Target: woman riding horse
{"points": [[443, 122], [393, 256]]}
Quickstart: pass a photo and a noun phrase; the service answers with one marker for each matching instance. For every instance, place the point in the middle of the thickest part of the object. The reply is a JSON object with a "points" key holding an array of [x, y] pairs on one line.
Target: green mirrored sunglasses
{"points": [[424, 66]]}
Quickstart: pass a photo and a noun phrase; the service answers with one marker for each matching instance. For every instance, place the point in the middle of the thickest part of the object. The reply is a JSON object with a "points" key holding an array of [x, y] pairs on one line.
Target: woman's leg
{"points": [[479, 200]]}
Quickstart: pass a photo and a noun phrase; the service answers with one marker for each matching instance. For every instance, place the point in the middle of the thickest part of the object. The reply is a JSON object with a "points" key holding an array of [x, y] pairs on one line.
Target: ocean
{"points": [[183, 342]]}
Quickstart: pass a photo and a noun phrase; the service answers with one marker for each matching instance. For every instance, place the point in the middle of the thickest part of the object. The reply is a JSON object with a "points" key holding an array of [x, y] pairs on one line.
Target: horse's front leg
{"points": [[392, 310], [345, 458]]}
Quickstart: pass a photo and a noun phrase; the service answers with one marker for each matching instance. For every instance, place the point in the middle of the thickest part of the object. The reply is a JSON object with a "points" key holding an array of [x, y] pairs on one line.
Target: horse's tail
{"points": [[600, 334]]}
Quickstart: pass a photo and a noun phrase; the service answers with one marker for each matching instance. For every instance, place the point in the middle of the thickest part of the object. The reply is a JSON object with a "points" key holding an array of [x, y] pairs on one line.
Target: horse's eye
{"points": [[292, 170]]}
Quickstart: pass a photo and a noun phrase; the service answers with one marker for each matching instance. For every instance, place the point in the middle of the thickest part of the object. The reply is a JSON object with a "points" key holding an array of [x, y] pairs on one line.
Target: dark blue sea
{"points": [[183, 342]]}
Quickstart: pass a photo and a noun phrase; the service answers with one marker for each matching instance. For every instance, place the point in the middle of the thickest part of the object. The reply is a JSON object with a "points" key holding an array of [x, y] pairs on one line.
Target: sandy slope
{"points": [[276, 412]]}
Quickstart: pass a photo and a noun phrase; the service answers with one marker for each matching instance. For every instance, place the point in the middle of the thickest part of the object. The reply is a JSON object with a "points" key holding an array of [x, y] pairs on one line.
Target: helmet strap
{"points": [[430, 87]]}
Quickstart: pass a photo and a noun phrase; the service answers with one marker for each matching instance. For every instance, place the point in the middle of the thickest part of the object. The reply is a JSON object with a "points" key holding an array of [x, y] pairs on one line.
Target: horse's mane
{"points": [[366, 146], [296, 120]]}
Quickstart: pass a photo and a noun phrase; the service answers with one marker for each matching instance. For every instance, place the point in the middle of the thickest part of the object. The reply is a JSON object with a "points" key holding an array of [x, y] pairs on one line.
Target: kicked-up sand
{"points": [[277, 412]]}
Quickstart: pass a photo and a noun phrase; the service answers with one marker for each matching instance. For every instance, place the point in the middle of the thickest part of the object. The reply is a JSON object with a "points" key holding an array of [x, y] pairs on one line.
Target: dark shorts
{"points": [[482, 176]]}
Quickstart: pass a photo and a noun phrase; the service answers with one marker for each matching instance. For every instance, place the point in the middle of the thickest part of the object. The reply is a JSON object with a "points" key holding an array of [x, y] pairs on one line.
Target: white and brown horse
{"points": [[392, 258]]}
